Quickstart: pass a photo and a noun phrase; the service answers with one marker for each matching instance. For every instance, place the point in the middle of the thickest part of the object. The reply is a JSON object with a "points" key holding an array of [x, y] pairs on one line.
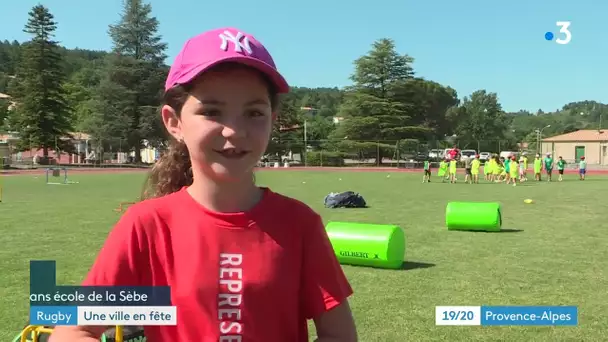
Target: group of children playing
{"points": [[497, 169]]}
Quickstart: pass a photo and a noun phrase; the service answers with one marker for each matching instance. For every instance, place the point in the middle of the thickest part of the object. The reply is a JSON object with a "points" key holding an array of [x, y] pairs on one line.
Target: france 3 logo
{"points": [[564, 30]]}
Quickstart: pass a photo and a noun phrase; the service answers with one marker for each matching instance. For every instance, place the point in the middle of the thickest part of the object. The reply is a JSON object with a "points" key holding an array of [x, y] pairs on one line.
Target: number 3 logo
{"points": [[564, 25]]}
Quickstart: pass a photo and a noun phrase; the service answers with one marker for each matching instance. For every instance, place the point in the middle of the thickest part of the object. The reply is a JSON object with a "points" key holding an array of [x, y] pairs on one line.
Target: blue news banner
{"points": [[53, 305], [507, 315]]}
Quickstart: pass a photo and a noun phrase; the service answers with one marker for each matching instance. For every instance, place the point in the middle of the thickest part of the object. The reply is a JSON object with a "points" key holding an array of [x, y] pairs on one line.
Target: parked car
{"points": [[421, 156], [484, 156], [436, 154], [466, 154], [507, 154]]}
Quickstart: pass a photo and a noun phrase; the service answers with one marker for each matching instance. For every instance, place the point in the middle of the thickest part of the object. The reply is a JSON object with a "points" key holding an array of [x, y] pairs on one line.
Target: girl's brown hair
{"points": [[173, 170]]}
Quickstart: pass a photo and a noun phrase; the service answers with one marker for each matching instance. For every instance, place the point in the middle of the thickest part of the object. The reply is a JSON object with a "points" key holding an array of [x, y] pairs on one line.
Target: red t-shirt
{"points": [[454, 153], [258, 275]]}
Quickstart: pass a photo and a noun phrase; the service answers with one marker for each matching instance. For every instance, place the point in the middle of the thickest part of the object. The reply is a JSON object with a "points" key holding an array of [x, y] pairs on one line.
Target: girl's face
{"points": [[226, 123]]}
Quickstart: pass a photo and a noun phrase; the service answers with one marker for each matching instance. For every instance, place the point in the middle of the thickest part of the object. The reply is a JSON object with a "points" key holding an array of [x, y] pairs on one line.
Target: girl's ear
{"points": [[171, 122]]}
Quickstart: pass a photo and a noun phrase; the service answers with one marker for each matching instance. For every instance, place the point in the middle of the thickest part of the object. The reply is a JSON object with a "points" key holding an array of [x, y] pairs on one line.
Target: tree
{"points": [[480, 121], [4, 104], [431, 101], [9, 57], [381, 68], [318, 129], [80, 89], [287, 132], [128, 97], [371, 110], [42, 116]]}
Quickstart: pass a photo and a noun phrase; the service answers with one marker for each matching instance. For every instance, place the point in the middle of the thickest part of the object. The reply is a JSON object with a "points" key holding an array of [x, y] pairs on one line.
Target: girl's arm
{"points": [[324, 289], [336, 325], [116, 265], [77, 334]]}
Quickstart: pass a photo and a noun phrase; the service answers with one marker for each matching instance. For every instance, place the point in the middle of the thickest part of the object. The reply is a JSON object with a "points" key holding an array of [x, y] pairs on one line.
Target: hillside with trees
{"points": [[389, 108]]}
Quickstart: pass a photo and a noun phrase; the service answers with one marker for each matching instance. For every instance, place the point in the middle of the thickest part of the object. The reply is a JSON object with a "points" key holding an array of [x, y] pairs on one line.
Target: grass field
{"points": [[556, 256]]}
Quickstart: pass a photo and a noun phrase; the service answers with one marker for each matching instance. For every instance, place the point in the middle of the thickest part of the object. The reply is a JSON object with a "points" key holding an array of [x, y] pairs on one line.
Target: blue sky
{"points": [[469, 44]]}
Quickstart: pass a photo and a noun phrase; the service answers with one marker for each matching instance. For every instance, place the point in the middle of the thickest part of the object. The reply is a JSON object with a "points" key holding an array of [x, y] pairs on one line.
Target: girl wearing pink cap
{"points": [[244, 263]]}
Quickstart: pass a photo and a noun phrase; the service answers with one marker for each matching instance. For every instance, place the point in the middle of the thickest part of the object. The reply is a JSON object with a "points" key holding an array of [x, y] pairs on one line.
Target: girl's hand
{"points": [[77, 334]]}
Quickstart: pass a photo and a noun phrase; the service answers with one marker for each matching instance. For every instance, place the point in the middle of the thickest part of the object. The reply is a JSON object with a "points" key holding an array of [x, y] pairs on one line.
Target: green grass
{"points": [[559, 257]]}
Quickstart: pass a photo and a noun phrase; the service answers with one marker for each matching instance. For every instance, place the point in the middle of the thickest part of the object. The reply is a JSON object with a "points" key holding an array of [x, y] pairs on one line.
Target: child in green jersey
{"points": [[548, 165], [538, 167], [582, 168], [561, 165], [507, 164], [427, 172]]}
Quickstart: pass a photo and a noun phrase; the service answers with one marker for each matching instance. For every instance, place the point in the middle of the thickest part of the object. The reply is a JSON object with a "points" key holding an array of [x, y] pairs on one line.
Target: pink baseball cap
{"points": [[214, 47]]}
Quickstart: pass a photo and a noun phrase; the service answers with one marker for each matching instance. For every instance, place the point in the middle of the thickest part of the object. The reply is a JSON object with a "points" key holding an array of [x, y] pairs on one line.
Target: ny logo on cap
{"points": [[239, 45]]}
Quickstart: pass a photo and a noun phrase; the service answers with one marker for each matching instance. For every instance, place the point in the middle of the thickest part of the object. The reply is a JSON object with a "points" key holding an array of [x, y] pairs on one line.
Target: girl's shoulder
{"points": [[148, 214], [289, 212], [289, 206]]}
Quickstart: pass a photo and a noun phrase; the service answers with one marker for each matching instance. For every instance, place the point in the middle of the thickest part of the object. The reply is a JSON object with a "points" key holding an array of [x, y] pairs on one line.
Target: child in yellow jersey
{"points": [[452, 169], [497, 169], [486, 169], [443, 170], [493, 168], [475, 164], [521, 169], [538, 167], [525, 167], [513, 171]]}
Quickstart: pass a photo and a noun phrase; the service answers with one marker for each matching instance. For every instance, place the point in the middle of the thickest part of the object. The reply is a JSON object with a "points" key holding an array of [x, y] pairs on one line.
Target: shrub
{"points": [[324, 158]]}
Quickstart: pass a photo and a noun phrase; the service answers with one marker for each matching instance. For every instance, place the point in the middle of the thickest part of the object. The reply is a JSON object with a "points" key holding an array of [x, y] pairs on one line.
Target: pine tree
{"points": [[371, 109], [129, 95], [287, 131], [4, 104], [136, 34], [42, 115]]}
